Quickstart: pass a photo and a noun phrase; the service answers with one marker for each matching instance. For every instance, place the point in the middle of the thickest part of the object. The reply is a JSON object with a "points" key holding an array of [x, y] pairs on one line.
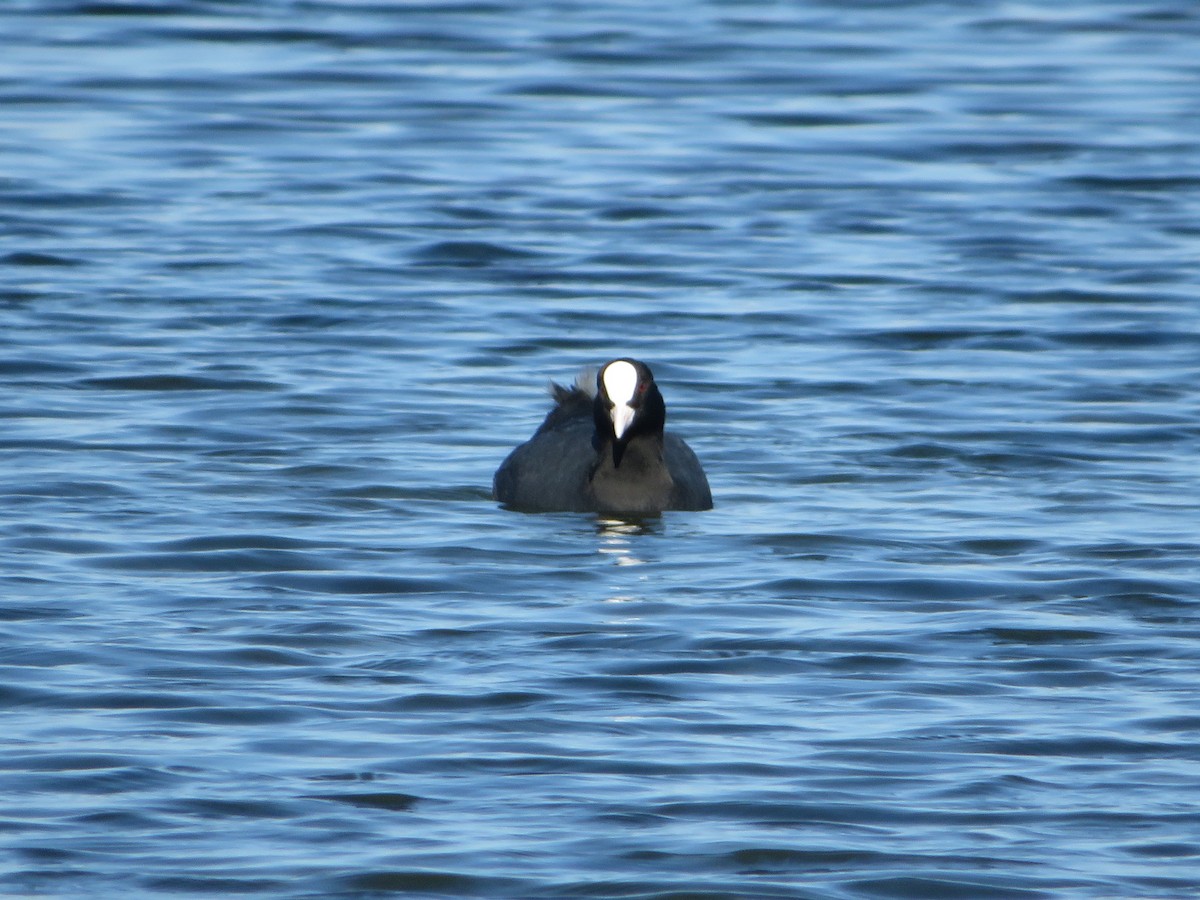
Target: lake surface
{"points": [[282, 283]]}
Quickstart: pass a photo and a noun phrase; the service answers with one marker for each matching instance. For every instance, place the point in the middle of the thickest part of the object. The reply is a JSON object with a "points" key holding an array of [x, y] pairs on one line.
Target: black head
{"points": [[628, 405]]}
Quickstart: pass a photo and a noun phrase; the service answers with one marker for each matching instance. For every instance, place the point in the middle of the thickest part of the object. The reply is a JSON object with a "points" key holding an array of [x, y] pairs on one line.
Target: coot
{"points": [[602, 449]]}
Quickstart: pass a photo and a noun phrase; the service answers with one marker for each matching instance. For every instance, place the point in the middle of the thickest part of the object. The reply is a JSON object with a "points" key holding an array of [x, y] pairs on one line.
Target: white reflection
{"points": [[616, 539]]}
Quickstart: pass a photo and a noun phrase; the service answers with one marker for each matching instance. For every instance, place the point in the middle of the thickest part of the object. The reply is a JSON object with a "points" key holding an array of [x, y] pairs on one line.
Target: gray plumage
{"points": [[571, 464]]}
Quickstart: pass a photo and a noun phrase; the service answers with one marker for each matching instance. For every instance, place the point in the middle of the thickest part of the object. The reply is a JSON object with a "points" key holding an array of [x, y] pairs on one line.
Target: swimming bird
{"points": [[602, 448]]}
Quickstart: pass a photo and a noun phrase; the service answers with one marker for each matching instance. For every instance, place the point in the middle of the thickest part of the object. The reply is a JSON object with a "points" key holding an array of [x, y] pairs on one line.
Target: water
{"points": [[281, 285]]}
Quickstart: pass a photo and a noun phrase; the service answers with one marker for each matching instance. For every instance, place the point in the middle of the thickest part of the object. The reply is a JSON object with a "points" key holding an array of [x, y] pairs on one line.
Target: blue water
{"points": [[282, 283]]}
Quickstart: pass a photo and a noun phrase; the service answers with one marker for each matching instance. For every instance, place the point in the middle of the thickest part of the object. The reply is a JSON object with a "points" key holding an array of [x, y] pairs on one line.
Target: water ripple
{"points": [[281, 287]]}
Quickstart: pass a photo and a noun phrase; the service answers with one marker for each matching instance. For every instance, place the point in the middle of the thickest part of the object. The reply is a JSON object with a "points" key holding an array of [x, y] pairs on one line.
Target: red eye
{"points": [[641, 388]]}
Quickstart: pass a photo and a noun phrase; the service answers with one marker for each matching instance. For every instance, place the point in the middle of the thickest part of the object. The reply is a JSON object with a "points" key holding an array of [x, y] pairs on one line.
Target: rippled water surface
{"points": [[282, 283]]}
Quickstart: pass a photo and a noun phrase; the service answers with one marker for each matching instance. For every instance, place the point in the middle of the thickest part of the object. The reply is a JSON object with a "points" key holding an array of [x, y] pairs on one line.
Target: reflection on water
{"points": [[617, 537], [278, 285]]}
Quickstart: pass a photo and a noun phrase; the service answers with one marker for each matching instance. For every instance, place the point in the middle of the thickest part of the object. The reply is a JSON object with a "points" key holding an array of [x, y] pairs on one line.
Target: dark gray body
{"points": [[563, 468]]}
